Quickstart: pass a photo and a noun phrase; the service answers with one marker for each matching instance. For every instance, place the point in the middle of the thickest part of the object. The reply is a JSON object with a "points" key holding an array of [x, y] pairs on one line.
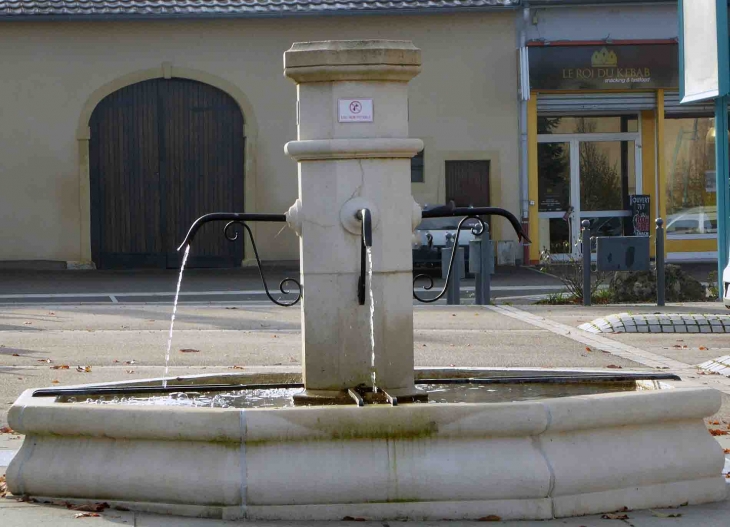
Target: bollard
{"points": [[453, 288], [586, 241], [484, 267], [660, 280]]}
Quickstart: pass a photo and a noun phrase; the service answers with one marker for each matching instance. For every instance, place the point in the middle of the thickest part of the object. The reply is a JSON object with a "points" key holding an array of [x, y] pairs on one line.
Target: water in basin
{"points": [[437, 394]]}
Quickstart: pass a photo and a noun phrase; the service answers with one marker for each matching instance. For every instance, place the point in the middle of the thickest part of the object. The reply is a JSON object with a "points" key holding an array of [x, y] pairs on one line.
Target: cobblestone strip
{"points": [[659, 323]]}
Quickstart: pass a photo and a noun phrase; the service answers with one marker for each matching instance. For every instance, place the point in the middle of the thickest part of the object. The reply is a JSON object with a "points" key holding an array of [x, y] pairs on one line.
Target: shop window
{"points": [[587, 124], [689, 159], [417, 168]]}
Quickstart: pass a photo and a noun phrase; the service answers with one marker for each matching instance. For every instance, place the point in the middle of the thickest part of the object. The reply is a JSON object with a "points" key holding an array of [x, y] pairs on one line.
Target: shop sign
{"points": [[625, 67], [640, 213]]}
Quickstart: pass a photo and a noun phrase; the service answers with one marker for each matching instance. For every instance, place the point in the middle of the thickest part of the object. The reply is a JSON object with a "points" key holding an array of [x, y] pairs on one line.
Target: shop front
{"points": [[609, 142]]}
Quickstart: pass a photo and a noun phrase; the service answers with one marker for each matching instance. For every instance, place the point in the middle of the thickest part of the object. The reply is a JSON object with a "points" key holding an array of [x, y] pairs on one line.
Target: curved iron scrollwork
{"points": [[477, 229], [230, 233]]}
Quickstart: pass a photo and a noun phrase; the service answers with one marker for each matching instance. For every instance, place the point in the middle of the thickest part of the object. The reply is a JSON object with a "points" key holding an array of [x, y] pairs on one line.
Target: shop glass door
{"points": [[585, 176]]}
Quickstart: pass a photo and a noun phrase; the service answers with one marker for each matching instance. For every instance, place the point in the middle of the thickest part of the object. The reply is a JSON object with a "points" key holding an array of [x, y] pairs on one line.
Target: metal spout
{"points": [[366, 218], [367, 226]]}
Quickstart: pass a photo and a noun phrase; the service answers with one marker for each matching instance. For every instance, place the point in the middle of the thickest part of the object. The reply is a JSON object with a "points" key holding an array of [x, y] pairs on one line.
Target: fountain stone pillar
{"points": [[353, 152]]}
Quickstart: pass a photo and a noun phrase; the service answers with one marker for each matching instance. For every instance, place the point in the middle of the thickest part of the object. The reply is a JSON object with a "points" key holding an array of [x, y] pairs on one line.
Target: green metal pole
{"points": [[723, 183]]}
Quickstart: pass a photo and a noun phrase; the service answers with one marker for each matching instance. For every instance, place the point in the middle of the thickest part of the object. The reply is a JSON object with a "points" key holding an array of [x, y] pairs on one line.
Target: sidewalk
{"points": [[206, 285], [14, 514]]}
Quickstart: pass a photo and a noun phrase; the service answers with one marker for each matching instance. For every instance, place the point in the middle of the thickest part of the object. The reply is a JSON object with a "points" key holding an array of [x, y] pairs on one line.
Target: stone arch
{"points": [[165, 71]]}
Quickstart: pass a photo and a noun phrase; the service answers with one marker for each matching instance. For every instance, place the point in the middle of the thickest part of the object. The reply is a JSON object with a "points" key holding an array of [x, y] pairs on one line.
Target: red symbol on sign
{"points": [[355, 107]]}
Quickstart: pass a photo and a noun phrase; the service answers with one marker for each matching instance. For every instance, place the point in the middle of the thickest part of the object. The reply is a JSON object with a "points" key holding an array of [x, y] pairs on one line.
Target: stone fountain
{"points": [[517, 460]]}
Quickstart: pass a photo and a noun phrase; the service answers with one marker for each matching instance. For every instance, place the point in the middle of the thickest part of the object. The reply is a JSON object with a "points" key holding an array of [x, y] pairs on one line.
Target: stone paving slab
{"points": [[659, 323]]}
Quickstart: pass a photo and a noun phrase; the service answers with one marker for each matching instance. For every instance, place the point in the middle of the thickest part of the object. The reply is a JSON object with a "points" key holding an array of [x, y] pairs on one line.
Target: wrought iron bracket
{"points": [[477, 229], [236, 218]]}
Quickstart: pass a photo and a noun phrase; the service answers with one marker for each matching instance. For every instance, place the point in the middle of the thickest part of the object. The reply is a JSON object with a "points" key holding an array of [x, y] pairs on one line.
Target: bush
{"points": [[640, 286]]}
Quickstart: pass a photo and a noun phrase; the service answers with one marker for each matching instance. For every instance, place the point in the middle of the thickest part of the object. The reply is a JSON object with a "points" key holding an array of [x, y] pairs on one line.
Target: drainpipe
{"points": [[524, 95]]}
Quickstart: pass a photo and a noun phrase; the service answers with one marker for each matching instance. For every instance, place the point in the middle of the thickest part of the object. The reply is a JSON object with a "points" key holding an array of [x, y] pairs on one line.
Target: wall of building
{"points": [[619, 22], [463, 105]]}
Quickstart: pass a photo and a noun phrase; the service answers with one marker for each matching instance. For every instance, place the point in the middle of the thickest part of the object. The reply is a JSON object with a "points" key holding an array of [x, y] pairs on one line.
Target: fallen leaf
{"points": [[490, 518], [128, 371], [717, 432], [52, 313], [588, 348], [714, 422], [616, 516], [130, 361], [16, 354], [614, 366], [665, 514], [6, 430], [453, 314], [236, 367], [83, 369], [55, 381], [189, 350], [89, 507], [677, 346], [115, 361], [703, 348], [27, 323], [60, 367], [353, 519], [47, 361], [231, 308], [86, 515], [726, 450]]}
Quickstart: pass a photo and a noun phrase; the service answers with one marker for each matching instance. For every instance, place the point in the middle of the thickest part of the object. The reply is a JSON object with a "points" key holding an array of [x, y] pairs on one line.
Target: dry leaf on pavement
{"points": [[6, 430], [490, 518], [189, 350], [83, 369], [615, 516], [87, 515], [614, 366], [60, 367]]}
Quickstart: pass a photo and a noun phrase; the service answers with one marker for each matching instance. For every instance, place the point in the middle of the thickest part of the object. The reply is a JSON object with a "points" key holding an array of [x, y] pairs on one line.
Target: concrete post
{"points": [[353, 152]]}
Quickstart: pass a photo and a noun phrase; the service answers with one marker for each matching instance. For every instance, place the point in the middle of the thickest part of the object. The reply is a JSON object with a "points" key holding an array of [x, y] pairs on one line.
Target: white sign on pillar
{"points": [[355, 110]]}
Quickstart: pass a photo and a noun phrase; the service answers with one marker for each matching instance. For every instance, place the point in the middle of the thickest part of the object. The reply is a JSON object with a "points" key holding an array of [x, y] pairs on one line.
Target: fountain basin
{"points": [[538, 459]]}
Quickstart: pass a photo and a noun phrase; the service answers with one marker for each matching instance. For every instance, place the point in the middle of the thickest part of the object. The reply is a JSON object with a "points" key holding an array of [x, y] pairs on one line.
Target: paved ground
{"points": [[209, 285], [229, 332]]}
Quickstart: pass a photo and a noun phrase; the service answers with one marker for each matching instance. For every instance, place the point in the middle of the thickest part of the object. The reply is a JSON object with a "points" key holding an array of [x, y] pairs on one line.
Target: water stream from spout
{"points": [[372, 316], [172, 320]]}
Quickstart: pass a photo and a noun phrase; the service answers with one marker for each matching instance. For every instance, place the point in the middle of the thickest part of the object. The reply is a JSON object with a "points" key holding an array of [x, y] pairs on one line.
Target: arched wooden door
{"points": [[162, 153]]}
